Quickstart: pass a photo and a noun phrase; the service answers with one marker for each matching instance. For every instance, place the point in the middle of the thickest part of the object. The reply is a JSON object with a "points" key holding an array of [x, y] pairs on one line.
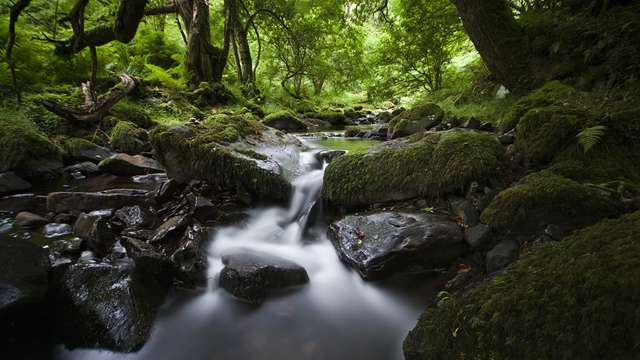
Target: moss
{"points": [[25, 149], [543, 132], [575, 299], [419, 118], [431, 166], [189, 154], [72, 147], [134, 113], [304, 106], [545, 198], [231, 128], [252, 154], [285, 120], [335, 118], [128, 138]]}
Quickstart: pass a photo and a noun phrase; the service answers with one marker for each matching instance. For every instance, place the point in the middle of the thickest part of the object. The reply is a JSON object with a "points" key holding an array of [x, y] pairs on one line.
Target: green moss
{"points": [[72, 146], [25, 149], [134, 113], [419, 118], [544, 198], [543, 132], [353, 146], [231, 128], [576, 299], [336, 118], [284, 120], [128, 138], [304, 106], [431, 166]]}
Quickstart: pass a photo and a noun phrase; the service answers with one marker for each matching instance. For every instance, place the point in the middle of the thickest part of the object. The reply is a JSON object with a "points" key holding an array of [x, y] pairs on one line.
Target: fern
{"points": [[590, 137]]}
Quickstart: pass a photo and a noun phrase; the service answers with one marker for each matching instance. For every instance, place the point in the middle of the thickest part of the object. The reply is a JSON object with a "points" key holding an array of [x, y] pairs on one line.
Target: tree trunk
{"points": [[502, 44], [245, 56]]}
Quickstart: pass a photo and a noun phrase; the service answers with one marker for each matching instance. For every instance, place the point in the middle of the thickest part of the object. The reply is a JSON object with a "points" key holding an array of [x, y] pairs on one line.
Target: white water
{"points": [[336, 316]]}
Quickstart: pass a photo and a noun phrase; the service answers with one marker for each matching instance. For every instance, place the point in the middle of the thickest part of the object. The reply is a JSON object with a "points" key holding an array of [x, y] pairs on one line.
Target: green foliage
{"points": [[231, 128], [133, 112], [352, 146], [574, 299], [590, 137]]}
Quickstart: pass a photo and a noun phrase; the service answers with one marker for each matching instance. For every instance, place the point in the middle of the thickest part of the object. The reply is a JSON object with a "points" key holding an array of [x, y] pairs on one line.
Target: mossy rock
{"points": [[418, 119], [545, 198], [435, 164], [553, 93], [544, 132], [304, 106], [574, 299], [190, 154], [229, 128], [79, 149], [134, 113], [285, 120], [25, 149], [335, 118], [128, 138]]}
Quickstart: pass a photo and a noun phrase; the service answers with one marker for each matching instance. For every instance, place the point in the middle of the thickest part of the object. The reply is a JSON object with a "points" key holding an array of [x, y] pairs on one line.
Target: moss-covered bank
{"points": [[576, 299]]}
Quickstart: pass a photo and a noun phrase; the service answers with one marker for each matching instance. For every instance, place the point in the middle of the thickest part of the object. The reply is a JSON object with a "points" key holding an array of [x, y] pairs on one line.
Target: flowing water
{"points": [[336, 316]]}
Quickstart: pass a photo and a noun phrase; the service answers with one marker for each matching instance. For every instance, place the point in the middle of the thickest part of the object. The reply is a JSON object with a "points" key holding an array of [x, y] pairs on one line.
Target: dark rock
{"points": [[170, 230], [97, 231], [54, 230], [465, 211], [106, 306], [146, 257], [128, 165], [24, 202], [249, 275], [478, 236], [168, 190], [554, 232], [203, 209], [136, 217], [28, 220], [86, 168], [64, 218], [76, 202], [71, 248], [10, 182], [487, 126], [384, 243], [507, 139], [503, 254], [472, 123], [329, 155], [189, 257]]}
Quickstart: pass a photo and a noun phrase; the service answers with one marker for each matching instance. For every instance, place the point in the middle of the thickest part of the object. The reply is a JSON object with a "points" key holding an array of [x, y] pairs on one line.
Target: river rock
{"points": [[24, 202], [28, 220], [203, 209], [249, 274], [96, 230], [170, 229], [465, 211], [329, 155], [86, 168], [130, 165], [10, 182], [136, 217], [54, 230], [478, 236], [503, 254], [76, 202], [106, 306], [189, 257], [384, 243], [145, 256]]}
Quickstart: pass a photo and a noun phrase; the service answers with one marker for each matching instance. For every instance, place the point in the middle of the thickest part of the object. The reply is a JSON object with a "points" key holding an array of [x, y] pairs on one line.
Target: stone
{"points": [[28, 220], [472, 124], [130, 165], [54, 230], [478, 236], [189, 257], [24, 202], [10, 183], [203, 209], [465, 211], [554, 232], [167, 191], [64, 218], [86, 168], [507, 139], [503, 254], [170, 229], [105, 306], [76, 202], [249, 274], [385, 243], [97, 232], [327, 156], [145, 256], [136, 217]]}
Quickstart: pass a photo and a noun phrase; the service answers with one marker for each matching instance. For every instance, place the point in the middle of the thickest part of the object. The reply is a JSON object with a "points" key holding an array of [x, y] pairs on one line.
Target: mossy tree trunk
{"points": [[501, 42]]}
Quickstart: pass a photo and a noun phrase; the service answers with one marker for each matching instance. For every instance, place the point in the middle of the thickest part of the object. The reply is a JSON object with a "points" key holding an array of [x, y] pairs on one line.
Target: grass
{"points": [[353, 146]]}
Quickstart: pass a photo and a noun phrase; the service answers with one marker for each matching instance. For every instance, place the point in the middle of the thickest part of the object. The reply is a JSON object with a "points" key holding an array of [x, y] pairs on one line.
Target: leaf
{"points": [[590, 137]]}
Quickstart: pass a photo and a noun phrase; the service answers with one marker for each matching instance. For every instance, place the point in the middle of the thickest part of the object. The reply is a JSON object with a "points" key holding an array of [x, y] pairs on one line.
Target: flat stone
{"points": [[76, 202], [28, 220], [24, 202], [130, 165], [10, 182], [170, 229], [136, 217]]}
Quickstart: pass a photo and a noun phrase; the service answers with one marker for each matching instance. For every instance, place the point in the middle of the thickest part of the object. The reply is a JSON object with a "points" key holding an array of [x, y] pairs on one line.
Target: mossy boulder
{"points": [[229, 128], [134, 113], [333, 117], [545, 198], [285, 120], [127, 137], [79, 149], [420, 118], [25, 149], [189, 154], [574, 299], [435, 164]]}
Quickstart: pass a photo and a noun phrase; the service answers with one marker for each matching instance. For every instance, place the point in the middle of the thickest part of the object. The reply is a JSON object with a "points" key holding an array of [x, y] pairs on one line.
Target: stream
{"points": [[336, 315]]}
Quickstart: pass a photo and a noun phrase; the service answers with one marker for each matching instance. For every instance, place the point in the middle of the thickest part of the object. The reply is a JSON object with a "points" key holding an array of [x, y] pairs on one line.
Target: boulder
{"points": [[418, 119], [249, 275], [128, 138], [188, 256], [28, 220], [136, 217], [128, 165], [86, 168], [76, 202], [145, 256], [96, 230], [78, 149], [503, 254], [385, 243], [170, 230], [54, 230], [10, 183], [203, 209], [105, 306], [478, 236], [285, 121], [328, 156], [464, 210], [24, 202]]}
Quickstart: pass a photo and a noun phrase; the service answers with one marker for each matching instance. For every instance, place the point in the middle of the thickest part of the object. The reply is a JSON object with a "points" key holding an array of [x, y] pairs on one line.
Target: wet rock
{"points": [[385, 243], [76, 202], [54, 230], [86, 168], [64, 218], [28, 220], [10, 182], [203, 209], [71, 248], [472, 124], [145, 256], [503, 254], [136, 217], [478, 236], [465, 211], [249, 275], [554, 232], [106, 306], [167, 191], [507, 139], [170, 230], [128, 165], [285, 121], [189, 257], [97, 231], [329, 155], [24, 202]]}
